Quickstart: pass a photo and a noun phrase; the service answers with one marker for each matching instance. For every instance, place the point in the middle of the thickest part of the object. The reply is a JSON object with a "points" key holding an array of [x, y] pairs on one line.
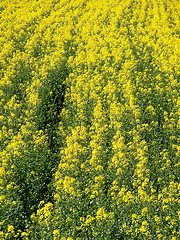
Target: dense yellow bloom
{"points": [[101, 214], [89, 100], [56, 234], [10, 228]]}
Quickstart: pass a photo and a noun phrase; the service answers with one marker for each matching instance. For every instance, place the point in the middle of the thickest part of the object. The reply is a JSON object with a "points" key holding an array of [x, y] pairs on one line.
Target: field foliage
{"points": [[89, 119]]}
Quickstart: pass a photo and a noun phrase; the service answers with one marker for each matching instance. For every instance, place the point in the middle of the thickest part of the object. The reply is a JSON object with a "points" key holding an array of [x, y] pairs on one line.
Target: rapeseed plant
{"points": [[89, 119]]}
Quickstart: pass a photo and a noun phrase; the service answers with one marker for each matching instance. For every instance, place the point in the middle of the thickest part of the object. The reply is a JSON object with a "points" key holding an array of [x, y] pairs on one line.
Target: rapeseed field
{"points": [[89, 119]]}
